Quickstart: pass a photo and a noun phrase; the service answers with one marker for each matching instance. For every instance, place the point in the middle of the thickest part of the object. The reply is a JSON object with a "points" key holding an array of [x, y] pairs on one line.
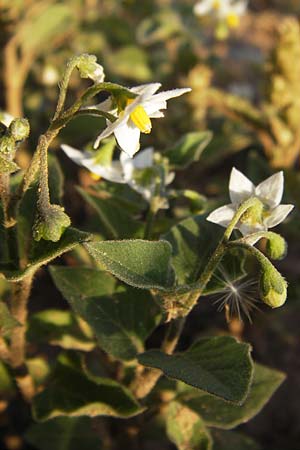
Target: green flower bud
{"points": [[273, 287], [276, 247], [7, 146], [89, 68], [7, 166], [50, 223], [19, 129]]}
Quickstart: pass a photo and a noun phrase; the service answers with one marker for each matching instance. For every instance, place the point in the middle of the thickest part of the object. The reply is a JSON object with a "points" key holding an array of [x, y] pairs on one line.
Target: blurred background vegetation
{"points": [[246, 89]]}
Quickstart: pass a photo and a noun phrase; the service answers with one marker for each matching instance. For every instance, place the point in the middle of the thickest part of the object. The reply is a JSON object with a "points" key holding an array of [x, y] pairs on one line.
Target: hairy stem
{"points": [[17, 350], [146, 379]]}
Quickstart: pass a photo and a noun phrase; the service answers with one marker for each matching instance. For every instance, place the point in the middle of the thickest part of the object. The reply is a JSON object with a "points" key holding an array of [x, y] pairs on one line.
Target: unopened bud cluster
{"points": [[17, 131]]}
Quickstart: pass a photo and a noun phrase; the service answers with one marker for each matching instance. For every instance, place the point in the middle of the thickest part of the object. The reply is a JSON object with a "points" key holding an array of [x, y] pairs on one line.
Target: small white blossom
{"points": [[228, 11], [122, 171], [6, 118], [135, 117], [269, 192]]}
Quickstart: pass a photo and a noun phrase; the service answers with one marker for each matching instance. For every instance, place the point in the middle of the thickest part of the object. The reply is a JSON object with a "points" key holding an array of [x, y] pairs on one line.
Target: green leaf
{"points": [[7, 386], [229, 440], [58, 327], [79, 283], [72, 394], [48, 22], [39, 369], [64, 433], [139, 263], [186, 429], [220, 414], [122, 61], [121, 320], [188, 149], [115, 221], [220, 366], [7, 321], [43, 252], [193, 241]]}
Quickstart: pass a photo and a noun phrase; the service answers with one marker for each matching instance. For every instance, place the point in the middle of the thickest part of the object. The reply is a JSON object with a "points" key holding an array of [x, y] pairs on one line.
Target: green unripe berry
{"points": [[50, 224], [273, 287], [276, 247], [19, 129]]}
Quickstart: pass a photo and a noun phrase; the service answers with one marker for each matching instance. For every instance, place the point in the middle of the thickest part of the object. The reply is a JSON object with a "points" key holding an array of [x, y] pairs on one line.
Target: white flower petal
{"points": [[112, 172], [128, 137], [240, 187], [166, 95], [144, 159], [247, 229], [203, 7], [153, 108], [251, 239], [270, 190], [148, 89], [278, 215], [223, 215], [6, 118]]}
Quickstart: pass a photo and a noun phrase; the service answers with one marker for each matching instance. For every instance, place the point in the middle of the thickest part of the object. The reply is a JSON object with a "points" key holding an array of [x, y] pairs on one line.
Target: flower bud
{"points": [[19, 129], [50, 223], [276, 247], [7, 146], [273, 287], [89, 68]]}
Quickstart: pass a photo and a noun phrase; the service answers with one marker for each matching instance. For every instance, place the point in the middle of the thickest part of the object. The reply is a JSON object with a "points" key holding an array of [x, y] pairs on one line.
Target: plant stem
{"points": [[146, 379], [17, 350]]}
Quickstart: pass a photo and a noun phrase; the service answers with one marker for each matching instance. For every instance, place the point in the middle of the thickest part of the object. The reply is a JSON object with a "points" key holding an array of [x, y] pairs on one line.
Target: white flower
{"points": [[6, 118], [269, 192], [122, 171], [229, 11], [135, 117]]}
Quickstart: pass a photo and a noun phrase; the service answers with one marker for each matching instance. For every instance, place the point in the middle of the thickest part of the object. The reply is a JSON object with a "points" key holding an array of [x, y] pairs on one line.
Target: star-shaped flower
{"points": [[270, 212], [125, 170], [228, 11], [135, 116]]}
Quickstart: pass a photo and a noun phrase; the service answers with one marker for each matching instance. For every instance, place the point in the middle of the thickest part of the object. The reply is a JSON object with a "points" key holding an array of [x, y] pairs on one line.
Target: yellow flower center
{"points": [[216, 4], [95, 176], [233, 20], [140, 118]]}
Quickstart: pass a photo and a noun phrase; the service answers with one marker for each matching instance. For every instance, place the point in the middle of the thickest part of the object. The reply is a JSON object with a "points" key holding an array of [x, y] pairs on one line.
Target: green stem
{"points": [[17, 351], [222, 246], [145, 378], [64, 85]]}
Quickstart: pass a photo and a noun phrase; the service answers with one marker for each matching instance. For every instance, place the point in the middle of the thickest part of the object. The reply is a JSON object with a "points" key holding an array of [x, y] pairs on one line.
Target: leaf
{"points": [[43, 252], [139, 263], [78, 283], [58, 327], [193, 241], [39, 369], [220, 366], [122, 61], [115, 221], [7, 386], [64, 433], [186, 429], [122, 321], [7, 321], [229, 440], [188, 149], [220, 414], [72, 394], [48, 22]]}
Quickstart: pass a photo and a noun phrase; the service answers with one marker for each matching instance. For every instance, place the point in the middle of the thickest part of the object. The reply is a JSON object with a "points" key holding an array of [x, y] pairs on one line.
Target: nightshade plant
{"points": [[141, 270]]}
